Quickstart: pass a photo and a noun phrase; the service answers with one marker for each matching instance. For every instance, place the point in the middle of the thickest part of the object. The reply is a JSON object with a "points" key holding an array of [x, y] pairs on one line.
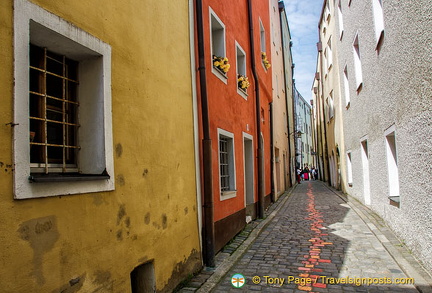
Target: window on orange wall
{"points": [[227, 170]]}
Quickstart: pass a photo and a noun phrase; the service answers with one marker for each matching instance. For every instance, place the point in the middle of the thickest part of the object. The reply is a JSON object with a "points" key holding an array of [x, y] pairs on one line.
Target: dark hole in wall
{"points": [[143, 278]]}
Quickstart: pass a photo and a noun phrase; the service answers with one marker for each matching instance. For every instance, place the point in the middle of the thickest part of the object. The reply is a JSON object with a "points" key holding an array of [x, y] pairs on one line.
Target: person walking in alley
{"points": [[313, 173], [298, 176], [306, 173]]}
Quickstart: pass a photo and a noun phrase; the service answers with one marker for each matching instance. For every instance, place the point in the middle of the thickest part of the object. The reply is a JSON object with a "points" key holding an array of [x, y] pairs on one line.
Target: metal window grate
{"points": [[224, 163], [53, 111]]}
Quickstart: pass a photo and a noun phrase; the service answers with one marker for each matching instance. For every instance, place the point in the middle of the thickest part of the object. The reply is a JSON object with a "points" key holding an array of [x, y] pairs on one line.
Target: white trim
{"points": [[231, 193], [365, 167], [349, 167], [212, 14], [32, 21], [357, 62], [392, 162], [239, 91], [346, 85], [390, 130], [250, 138], [340, 17], [378, 15]]}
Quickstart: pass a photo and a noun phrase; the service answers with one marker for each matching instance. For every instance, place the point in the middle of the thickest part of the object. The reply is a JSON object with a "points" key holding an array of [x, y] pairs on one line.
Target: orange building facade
{"points": [[234, 84]]}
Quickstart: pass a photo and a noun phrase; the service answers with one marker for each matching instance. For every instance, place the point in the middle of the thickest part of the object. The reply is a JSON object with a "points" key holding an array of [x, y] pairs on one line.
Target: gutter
{"points": [[258, 115], [272, 153], [208, 206]]}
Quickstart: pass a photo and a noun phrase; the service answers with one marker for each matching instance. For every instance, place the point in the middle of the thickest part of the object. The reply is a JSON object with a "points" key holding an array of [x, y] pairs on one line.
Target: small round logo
{"points": [[238, 280]]}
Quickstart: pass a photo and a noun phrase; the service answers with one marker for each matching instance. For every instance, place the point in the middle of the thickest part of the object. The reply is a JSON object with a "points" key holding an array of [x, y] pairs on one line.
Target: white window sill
{"points": [[220, 75], [228, 194], [242, 93]]}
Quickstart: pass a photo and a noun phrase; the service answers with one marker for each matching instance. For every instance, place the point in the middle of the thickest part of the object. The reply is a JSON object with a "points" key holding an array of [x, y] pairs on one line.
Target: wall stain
{"points": [[119, 235], [120, 180], [98, 199], [127, 222], [147, 218], [103, 280], [164, 221], [124, 223], [156, 225], [190, 264], [119, 150], [121, 213], [186, 210], [145, 172], [102, 277], [42, 234], [74, 285]]}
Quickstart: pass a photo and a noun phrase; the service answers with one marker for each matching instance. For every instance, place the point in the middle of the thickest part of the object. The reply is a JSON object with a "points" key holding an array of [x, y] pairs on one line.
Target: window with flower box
{"points": [[218, 47], [242, 79]]}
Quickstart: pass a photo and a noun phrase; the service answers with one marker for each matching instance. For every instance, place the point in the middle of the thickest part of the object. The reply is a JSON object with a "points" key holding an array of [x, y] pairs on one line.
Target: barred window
{"points": [[224, 163], [53, 112]]}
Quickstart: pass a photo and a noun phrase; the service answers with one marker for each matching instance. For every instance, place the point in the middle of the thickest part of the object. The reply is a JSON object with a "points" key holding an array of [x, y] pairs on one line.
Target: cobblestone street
{"points": [[316, 242]]}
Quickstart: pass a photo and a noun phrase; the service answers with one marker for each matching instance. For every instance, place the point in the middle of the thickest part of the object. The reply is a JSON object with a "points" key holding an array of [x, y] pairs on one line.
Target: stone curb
{"points": [[408, 264], [222, 269]]}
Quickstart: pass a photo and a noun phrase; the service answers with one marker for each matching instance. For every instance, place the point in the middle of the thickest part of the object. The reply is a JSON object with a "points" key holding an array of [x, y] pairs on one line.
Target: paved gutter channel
{"points": [[208, 278]]}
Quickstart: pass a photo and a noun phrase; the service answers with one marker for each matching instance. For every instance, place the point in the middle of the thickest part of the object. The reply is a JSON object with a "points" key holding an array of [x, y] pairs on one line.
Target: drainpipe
{"points": [[209, 237], [282, 8], [258, 116], [272, 153]]}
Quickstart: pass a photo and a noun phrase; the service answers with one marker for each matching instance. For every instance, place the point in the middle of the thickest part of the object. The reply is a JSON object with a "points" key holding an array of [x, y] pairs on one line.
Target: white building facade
{"points": [[384, 57], [304, 144]]}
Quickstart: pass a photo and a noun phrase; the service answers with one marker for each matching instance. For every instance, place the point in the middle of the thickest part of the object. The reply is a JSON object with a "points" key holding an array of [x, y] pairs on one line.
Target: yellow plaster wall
{"points": [[95, 240]]}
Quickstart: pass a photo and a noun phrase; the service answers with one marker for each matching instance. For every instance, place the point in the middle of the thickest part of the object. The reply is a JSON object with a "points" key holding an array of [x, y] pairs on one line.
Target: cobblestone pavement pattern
{"points": [[315, 241]]}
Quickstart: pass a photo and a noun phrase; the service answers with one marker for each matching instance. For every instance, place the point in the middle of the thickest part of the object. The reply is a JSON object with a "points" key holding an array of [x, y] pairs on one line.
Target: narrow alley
{"points": [[317, 242]]}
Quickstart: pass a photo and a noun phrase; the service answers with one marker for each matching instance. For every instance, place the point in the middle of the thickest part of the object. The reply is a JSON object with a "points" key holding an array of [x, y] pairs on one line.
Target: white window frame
{"points": [[217, 43], [329, 53], [262, 37], [346, 86], [349, 169], [365, 155], [241, 67], [340, 17], [357, 63], [392, 161], [327, 14], [33, 23], [378, 14], [224, 195], [262, 42]]}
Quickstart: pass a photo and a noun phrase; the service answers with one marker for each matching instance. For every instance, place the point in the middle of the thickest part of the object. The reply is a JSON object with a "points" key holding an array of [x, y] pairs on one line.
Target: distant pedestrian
{"points": [[313, 174], [298, 176], [306, 173]]}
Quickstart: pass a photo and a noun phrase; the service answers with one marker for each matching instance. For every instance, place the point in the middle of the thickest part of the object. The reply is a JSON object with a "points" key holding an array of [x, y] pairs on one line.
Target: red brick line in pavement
{"points": [[313, 258]]}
